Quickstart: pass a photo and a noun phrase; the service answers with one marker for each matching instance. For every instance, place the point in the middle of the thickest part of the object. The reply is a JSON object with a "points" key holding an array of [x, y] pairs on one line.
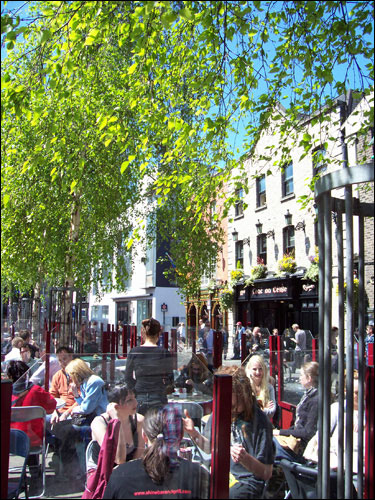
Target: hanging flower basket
{"points": [[259, 271], [287, 264], [226, 299], [312, 273]]}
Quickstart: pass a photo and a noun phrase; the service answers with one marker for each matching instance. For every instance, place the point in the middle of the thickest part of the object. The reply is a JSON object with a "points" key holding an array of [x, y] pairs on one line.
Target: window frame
{"points": [[238, 207], [239, 254], [285, 181], [287, 248], [261, 194], [262, 247], [320, 167]]}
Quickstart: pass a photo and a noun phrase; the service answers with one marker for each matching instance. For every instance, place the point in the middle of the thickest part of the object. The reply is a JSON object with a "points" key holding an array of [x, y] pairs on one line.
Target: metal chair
{"points": [[19, 446], [301, 479], [26, 414]]}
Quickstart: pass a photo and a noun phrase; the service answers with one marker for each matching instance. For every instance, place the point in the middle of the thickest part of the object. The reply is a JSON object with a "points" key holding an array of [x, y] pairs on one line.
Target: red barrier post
{"points": [[272, 342], [112, 335], [6, 401], [243, 347], [105, 349], [218, 349], [370, 354], [220, 443], [314, 353], [165, 340], [174, 347], [369, 490], [124, 334]]}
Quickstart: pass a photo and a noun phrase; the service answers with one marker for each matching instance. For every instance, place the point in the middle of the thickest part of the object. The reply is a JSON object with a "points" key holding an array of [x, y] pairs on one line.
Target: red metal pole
{"points": [[113, 355], [165, 340], [218, 349], [273, 358], [369, 490], [6, 400], [370, 354], [314, 353], [243, 347], [174, 347], [220, 443], [125, 340]]}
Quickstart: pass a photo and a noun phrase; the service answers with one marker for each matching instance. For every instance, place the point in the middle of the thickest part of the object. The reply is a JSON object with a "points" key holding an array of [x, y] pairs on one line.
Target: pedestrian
{"points": [[300, 341]]}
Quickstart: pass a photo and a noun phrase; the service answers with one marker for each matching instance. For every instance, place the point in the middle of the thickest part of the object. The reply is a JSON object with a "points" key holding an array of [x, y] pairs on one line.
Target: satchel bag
{"points": [[291, 442]]}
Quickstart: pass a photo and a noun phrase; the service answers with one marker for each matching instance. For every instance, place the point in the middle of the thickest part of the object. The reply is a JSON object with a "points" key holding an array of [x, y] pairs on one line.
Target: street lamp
{"points": [[234, 235], [288, 218], [259, 227]]}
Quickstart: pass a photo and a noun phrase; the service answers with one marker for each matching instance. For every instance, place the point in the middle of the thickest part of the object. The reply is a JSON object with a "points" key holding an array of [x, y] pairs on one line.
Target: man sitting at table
{"points": [[196, 375]]}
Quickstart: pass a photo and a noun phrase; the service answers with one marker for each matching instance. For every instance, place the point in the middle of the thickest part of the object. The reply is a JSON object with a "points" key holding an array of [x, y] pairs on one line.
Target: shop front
{"points": [[278, 303]]}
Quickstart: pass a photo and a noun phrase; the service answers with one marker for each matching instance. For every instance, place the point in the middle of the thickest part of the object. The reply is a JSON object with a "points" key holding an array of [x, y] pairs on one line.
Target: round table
{"points": [[205, 400]]}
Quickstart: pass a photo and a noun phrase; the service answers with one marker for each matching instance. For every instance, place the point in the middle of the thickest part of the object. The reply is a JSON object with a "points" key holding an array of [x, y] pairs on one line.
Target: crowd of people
{"points": [[136, 434]]}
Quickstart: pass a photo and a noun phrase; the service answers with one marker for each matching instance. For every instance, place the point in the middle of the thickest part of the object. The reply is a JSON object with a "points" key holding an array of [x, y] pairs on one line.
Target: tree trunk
{"points": [[35, 313]]}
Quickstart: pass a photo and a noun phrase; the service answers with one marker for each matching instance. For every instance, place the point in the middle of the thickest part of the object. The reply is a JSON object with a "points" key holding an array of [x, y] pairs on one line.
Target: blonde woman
{"points": [[256, 370], [93, 398]]}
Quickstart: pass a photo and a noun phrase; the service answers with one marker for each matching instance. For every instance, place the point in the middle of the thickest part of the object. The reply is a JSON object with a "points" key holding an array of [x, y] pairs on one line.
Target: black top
{"points": [[306, 422], [149, 370], [130, 480]]}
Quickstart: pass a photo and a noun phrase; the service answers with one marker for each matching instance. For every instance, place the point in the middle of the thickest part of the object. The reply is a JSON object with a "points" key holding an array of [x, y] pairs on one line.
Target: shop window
{"points": [[239, 254], [262, 247], [288, 239], [238, 209], [261, 191], [287, 183]]}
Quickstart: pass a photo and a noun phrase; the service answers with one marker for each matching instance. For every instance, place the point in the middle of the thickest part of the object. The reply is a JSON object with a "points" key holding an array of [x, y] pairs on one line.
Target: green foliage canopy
{"points": [[112, 111]]}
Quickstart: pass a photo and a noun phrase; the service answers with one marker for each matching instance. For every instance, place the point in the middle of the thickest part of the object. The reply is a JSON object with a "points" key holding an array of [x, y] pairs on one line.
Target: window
{"points": [[262, 247], [105, 312], [261, 191], [238, 209], [287, 184], [239, 254], [319, 161], [94, 312], [288, 239]]}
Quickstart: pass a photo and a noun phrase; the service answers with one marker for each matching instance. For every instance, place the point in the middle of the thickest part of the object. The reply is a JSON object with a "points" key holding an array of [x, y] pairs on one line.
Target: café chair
{"points": [[19, 446], [27, 414]]}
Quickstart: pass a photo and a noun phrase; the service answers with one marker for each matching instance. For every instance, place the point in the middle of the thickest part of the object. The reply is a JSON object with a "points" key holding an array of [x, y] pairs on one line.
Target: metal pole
{"points": [[341, 356], [6, 400], [349, 342], [320, 207], [326, 367], [361, 350]]}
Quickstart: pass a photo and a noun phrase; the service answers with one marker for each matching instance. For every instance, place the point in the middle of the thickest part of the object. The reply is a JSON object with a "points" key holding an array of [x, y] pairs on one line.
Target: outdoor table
{"points": [[205, 400]]}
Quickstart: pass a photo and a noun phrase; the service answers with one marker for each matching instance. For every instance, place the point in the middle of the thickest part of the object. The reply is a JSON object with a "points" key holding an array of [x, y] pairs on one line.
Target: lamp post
{"points": [[259, 227]]}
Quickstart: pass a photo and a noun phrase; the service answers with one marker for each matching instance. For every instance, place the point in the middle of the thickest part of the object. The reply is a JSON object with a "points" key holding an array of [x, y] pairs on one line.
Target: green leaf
{"points": [[72, 186], [6, 199], [186, 14], [132, 68]]}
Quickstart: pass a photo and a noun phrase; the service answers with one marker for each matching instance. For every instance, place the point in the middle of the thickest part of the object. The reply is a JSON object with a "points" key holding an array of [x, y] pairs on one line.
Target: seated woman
{"points": [[92, 400], [252, 450], [256, 370], [196, 375], [25, 393], [160, 471], [306, 419], [123, 406]]}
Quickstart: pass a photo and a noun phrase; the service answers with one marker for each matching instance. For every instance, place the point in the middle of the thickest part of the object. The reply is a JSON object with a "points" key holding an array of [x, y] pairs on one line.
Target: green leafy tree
{"points": [[113, 110]]}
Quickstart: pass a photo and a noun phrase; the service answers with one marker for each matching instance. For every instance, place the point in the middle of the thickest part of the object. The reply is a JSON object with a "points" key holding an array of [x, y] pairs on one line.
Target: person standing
{"points": [[149, 369], [300, 341]]}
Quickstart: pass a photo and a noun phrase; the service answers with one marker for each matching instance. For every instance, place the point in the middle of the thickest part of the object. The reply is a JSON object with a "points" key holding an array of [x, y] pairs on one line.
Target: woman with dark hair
{"points": [[25, 393], [123, 406], [160, 473], [149, 369], [251, 452]]}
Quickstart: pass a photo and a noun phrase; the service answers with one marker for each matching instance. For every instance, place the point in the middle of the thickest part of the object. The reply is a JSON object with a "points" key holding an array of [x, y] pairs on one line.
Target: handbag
{"points": [[291, 442], [82, 419]]}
